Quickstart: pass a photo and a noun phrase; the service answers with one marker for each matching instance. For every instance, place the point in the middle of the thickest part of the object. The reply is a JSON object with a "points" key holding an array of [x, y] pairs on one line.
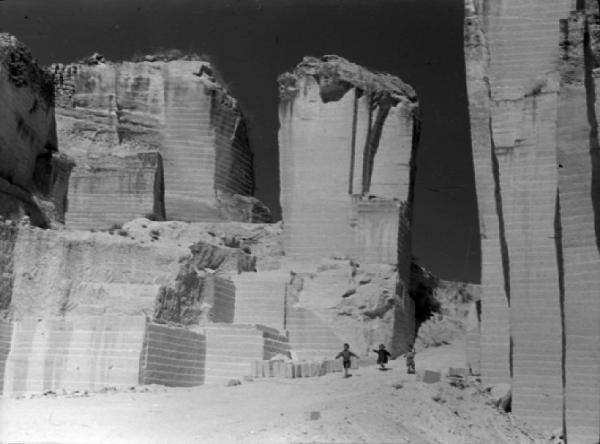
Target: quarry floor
{"points": [[372, 406]]}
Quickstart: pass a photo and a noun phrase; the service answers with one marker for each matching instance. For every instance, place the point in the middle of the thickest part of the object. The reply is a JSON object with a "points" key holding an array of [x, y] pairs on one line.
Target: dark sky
{"points": [[253, 41]]}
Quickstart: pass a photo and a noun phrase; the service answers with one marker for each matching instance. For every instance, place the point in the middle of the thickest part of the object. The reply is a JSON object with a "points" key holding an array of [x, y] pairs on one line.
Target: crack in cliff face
{"points": [[502, 233], [383, 105], [357, 94], [500, 214], [158, 207], [561, 294]]}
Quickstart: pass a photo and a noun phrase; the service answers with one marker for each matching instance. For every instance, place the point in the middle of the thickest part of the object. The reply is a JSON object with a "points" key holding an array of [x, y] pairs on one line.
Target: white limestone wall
{"points": [[315, 153], [154, 107], [530, 90]]}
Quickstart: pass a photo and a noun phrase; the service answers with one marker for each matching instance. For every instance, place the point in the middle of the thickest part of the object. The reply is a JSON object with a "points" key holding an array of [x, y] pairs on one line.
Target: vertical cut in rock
{"points": [[560, 260], [383, 106]]}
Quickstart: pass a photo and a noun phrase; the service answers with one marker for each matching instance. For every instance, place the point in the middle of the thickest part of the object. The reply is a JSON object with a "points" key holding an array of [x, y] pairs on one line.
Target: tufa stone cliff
{"points": [[33, 176], [532, 82], [160, 138]]}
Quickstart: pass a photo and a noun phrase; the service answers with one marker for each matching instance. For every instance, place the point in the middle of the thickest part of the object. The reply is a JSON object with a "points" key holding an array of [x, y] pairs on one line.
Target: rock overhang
{"points": [[333, 72]]}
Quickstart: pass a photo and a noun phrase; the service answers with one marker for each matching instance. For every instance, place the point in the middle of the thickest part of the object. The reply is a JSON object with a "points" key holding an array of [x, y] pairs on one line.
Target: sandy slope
{"points": [[371, 406]]}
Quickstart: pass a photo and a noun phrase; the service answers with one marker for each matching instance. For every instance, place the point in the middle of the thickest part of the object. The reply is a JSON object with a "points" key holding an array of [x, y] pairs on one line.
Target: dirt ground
{"points": [[372, 406]]}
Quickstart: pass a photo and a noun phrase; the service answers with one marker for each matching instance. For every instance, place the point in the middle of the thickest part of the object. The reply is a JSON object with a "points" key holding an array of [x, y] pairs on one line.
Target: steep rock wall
{"points": [[577, 211], [78, 273], [33, 177], [174, 271], [346, 135], [174, 109], [347, 143], [531, 91]]}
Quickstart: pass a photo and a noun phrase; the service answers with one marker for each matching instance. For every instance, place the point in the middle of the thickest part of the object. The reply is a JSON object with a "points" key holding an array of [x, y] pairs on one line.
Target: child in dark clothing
{"points": [[410, 360], [346, 354], [382, 356]]}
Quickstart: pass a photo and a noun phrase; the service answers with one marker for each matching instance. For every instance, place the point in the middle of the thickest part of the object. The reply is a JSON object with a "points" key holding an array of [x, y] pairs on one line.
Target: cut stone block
{"points": [[428, 376]]}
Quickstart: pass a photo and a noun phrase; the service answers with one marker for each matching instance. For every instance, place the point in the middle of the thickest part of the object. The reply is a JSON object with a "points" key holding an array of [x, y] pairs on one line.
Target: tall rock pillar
{"points": [[512, 52], [347, 139], [538, 63], [347, 143], [579, 209]]}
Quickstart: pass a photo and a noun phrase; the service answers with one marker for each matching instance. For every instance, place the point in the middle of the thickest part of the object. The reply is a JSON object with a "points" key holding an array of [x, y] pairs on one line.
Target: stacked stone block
{"points": [[291, 369], [231, 348]]}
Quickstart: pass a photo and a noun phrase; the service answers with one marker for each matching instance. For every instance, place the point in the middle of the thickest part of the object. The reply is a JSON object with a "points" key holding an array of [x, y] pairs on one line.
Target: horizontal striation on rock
{"points": [[223, 303], [231, 348], [578, 175], [189, 150], [86, 353], [173, 357], [111, 189]]}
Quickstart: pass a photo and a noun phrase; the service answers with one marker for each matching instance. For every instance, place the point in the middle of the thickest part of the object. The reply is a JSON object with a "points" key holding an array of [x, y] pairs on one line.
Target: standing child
{"points": [[382, 356], [410, 360], [346, 355]]}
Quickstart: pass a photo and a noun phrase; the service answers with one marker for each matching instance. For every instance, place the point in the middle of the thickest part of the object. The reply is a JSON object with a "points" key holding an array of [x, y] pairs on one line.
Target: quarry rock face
{"points": [[117, 299], [33, 176], [85, 310], [132, 271], [531, 79], [347, 142], [153, 138]]}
